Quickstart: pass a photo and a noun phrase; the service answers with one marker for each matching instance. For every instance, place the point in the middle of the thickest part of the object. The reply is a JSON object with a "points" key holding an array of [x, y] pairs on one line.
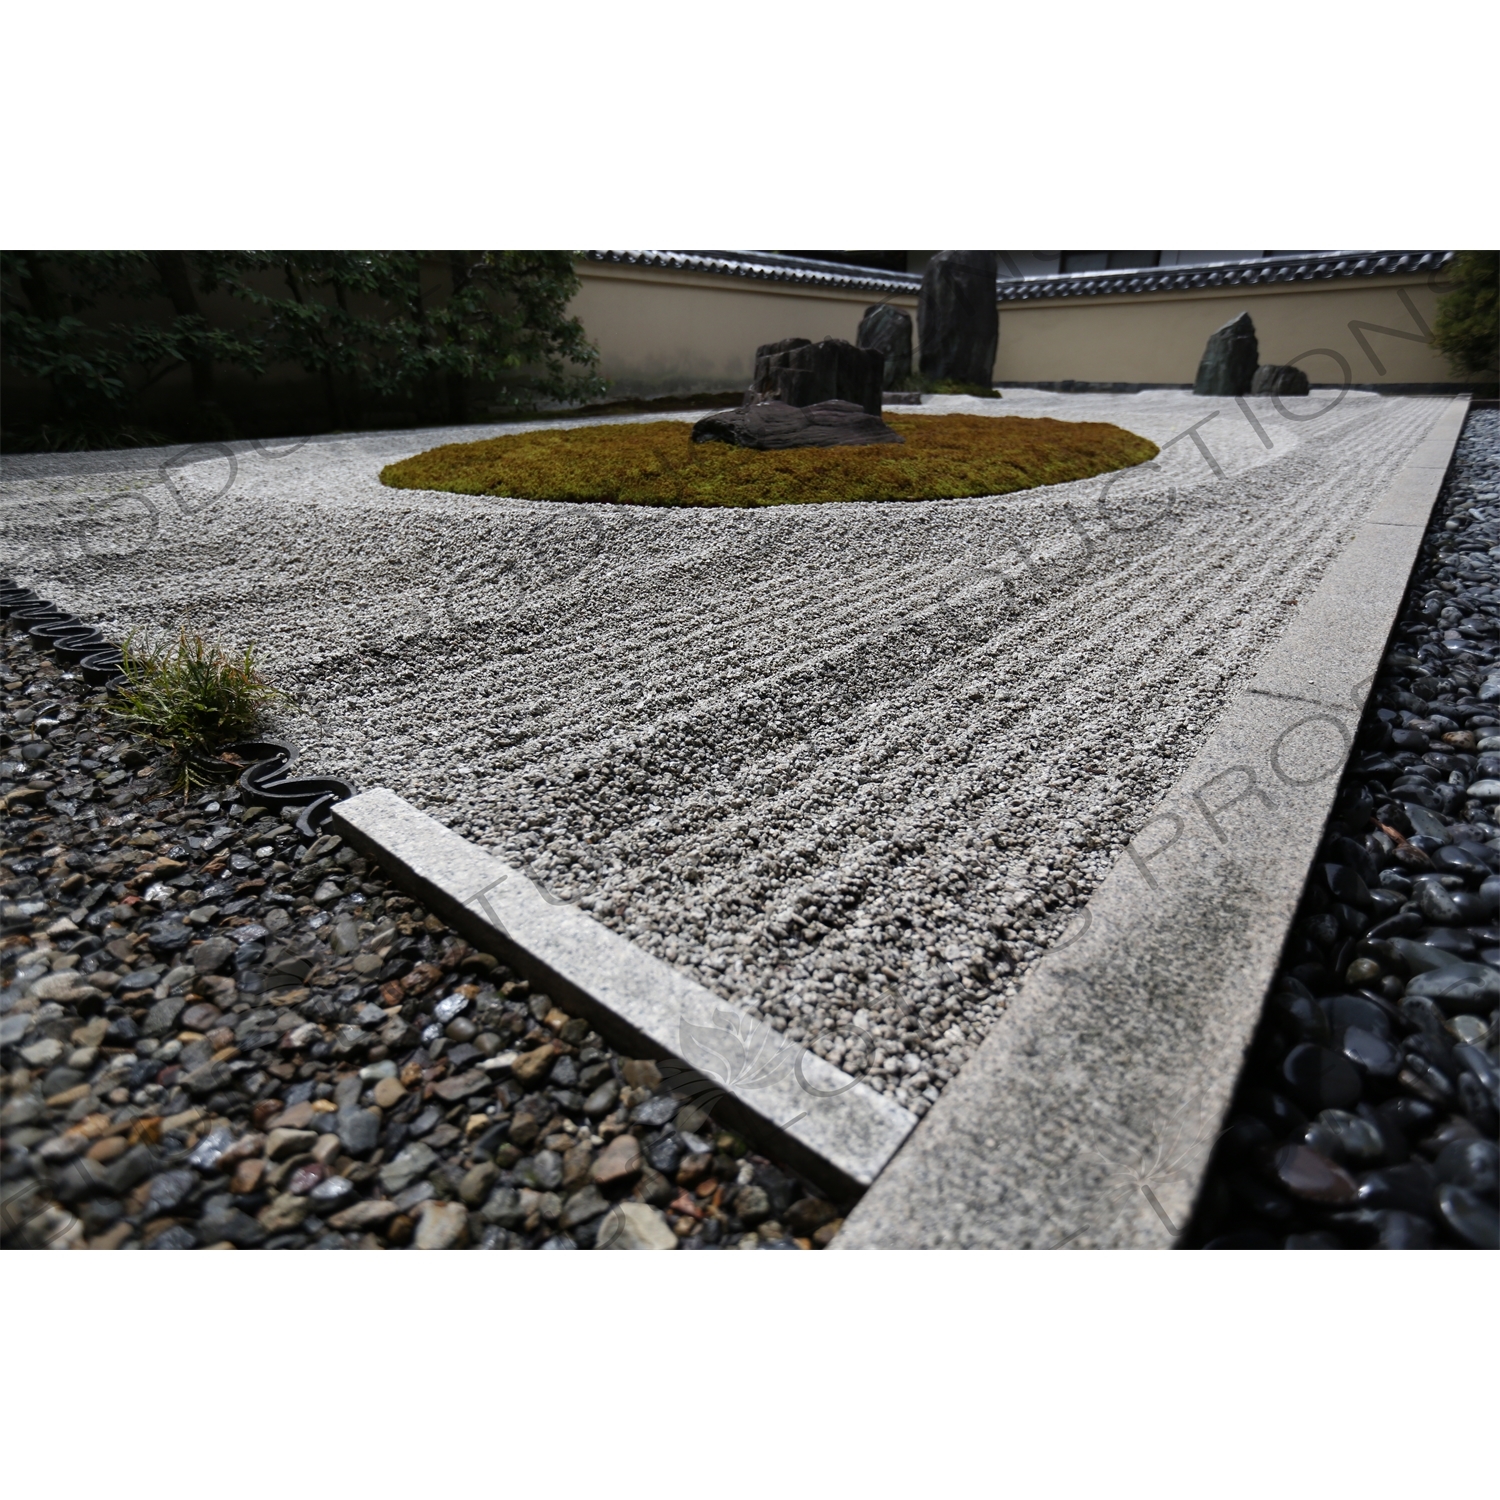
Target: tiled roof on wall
{"points": [[1226, 273], [764, 265]]}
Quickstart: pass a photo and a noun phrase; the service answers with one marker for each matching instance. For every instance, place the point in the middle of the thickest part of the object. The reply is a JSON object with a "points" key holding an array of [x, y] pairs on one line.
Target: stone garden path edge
{"points": [[835, 1131], [1087, 1116]]}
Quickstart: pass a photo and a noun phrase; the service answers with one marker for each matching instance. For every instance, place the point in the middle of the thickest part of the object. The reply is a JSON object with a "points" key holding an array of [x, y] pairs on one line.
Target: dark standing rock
{"points": [[1229, 360], [1278, 380], [801, 373], [774, 424], [958, 316], [888, 329]]}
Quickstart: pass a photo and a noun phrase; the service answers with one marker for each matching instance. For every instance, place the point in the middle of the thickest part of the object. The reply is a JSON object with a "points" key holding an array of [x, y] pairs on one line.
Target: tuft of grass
{"points": [[193, 697], [657, 463]]}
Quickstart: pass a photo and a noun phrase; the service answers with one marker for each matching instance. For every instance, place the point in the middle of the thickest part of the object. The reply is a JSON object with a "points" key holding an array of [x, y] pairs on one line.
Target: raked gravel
{"points": [[851, 765]]}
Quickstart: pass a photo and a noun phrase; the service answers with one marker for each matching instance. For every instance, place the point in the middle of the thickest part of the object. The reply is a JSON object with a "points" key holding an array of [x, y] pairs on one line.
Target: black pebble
{"points": [[1280, 1115], [1372, 1055], [1320, 1078], [1472, 1165], [1359, 1010], [1408, 1187], [1473, 1221]]}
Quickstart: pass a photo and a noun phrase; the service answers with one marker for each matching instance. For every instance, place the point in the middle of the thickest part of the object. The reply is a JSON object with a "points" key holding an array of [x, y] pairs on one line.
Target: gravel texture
{"points": [[213, 1035], [1368, 1113], [852, 766]]}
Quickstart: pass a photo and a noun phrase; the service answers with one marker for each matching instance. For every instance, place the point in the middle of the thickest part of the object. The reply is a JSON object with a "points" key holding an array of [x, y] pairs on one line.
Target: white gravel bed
{"points": [[851, 765]]}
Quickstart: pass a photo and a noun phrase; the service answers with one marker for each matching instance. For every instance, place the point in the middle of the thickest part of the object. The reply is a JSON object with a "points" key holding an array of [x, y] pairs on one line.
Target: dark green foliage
{"points": [[382, 324], [95, 370], [427, 335], [1466, 329]]}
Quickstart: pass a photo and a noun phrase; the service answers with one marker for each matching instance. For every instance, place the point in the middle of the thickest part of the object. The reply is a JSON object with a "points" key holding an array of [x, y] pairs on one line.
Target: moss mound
{"points": [[657, 463]]}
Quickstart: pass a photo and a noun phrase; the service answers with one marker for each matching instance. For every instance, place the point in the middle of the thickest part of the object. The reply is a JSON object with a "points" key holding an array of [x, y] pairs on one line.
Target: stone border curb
{"points": [[835, 1131], [1088, 1114]]}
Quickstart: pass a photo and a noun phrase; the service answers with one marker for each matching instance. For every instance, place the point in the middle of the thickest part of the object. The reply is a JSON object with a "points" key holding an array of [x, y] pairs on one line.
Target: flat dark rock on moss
{"points": [[774, 424]]}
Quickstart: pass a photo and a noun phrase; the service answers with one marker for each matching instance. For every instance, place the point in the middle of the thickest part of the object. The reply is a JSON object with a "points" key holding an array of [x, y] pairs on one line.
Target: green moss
{"points": [[657, 463], [919, 382], [958, 388]]}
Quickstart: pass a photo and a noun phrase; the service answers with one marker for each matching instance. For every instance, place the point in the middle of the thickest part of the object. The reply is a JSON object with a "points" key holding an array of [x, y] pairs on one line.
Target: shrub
{"points": [[657, 463], [1466, 329], [430, 336]]}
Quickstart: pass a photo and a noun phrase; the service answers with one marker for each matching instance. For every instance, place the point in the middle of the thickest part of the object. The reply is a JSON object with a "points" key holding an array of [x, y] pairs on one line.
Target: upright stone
{"points": [[798, 372], [888, 329], [1229, 360], [958, 316], [1279, 380]]}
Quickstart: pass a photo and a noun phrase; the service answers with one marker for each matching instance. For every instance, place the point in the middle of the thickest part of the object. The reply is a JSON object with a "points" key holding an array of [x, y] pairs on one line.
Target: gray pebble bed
{"points": [[216, 1032], [853, 766]]}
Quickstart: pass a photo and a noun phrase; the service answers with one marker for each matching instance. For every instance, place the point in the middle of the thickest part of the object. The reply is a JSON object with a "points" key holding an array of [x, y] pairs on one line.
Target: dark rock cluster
{"points": [[798, 372], [1230, 366], [1368, 1112], [215, 1032], [806, 395]]}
